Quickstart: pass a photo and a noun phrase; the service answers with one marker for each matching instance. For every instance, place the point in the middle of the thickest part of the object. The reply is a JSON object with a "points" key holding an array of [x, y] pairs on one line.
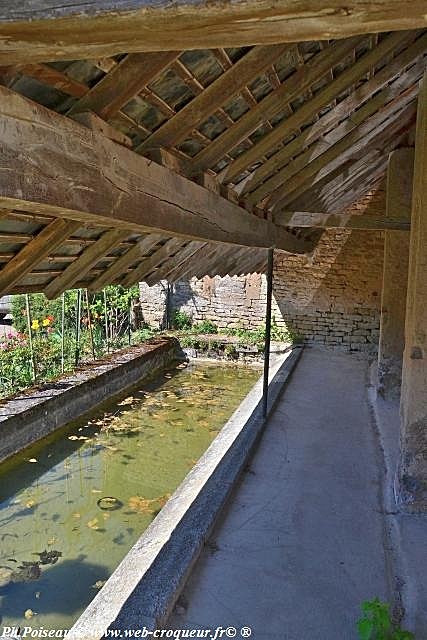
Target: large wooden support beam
{"points": [[42, 32], [43, 244], [395, 274], [339, 221], [413, 462], [51, 164]]}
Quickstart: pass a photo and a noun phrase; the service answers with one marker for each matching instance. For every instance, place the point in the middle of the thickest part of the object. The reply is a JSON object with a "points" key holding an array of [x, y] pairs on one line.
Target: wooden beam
{"points": [[366, 118], [338, 221], [42, 32], [121, 264], [170, 248], [322, 98], [52, 165], [384, 123], [84, 262], [214, 96], [46, 241], [123, 82], [317, 67]]}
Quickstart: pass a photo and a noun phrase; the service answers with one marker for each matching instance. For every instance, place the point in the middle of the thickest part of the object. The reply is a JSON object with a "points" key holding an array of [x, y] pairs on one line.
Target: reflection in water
{"points": [[73, 505]]}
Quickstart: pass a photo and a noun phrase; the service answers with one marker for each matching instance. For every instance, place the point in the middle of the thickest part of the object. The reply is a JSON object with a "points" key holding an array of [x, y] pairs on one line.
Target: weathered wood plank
{"points": [[121, 264], [123, 82], [318, 66], [84, 262], [338, 221], [52, 165], [44, 243], [324, 97], [214, 96], [40, 32], [333, 117]]}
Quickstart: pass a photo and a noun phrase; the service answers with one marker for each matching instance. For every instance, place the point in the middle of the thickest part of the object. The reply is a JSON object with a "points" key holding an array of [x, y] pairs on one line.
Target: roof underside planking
{"points": [[167, 164]]}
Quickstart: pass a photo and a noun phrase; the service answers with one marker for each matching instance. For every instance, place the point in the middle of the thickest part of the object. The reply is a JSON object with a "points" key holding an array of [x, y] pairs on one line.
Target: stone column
{"points": [[395, 274], [412, 488]]}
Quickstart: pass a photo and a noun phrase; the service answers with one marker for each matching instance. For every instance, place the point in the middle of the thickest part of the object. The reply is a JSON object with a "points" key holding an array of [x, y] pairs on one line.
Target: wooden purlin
{"points": [[323, 98], [255, 187], [34, 32], [89, 178]]}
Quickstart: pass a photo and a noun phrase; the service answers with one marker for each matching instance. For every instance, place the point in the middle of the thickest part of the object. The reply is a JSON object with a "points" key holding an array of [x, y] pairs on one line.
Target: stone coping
{"points": [[145, 586]]}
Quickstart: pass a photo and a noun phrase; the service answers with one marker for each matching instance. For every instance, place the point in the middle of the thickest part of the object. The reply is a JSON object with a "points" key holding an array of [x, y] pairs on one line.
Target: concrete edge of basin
{"points": [[145, 586], [33, 415]]}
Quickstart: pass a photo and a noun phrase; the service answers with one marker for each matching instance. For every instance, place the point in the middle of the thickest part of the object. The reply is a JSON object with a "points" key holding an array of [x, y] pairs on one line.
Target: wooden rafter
{"points": [[331, 119], [127, 259], [324, 97], [379, 126], [173, 263], [317, 67], [84, 262], [46, 241], [41, 32], [170, 248], [89, 178], [213, 97], [123, 82]]}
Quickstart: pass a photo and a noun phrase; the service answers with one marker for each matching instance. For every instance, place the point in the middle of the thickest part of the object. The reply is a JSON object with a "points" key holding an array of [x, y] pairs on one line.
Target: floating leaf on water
{"points": [[73, 438], [37, 594], [93, 524], [30, 504], [99, 584], [126, 401], [33, 460], [29, 613]]}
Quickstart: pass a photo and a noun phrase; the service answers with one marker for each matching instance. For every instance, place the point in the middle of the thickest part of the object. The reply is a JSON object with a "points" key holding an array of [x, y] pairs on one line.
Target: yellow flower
{"points": [[46, 322], [35, 324]]}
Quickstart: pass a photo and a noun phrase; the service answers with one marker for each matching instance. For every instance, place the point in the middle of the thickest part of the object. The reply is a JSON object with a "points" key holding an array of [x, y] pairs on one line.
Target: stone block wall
{"points": [[331, 298]]}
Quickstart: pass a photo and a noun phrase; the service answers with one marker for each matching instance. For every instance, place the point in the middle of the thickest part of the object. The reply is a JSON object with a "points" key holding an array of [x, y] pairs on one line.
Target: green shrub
{"points": [[181, 320], [206, 326], [377, 624]]}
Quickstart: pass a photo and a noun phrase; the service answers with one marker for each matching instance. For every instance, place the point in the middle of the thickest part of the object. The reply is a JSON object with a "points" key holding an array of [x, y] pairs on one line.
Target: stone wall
{"points": [[331, 298]]}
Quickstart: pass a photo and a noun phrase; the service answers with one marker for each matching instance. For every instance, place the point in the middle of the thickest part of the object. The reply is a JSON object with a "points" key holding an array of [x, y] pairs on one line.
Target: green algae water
{"points": [[73, 505]]}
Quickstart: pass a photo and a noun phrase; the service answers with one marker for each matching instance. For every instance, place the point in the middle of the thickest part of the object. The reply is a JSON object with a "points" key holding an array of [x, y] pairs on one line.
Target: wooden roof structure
{"points": [[152, 155]]}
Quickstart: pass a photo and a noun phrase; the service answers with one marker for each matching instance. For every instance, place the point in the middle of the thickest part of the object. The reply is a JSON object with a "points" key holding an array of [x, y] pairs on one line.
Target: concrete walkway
{"points": [[303, 541]]}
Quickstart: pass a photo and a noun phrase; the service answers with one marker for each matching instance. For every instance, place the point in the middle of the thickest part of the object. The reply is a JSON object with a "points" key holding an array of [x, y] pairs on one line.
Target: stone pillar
{"points": [[412, 487], [395, 275]]}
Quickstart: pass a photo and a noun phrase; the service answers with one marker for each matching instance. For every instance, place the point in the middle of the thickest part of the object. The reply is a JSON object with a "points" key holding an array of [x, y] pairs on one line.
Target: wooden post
{"points": [[412, 489], [106, 319], [270, 256], [30, 337], [63, 333], [78, 314], [89, 325]]}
